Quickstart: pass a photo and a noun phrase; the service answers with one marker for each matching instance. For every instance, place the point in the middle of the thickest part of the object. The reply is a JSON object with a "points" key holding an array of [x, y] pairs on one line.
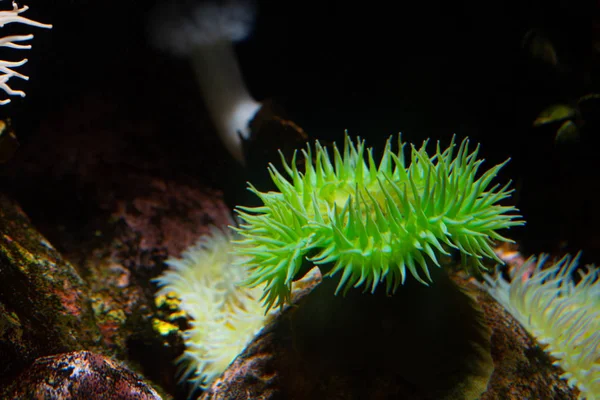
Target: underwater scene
{"points": [[299, 200]]}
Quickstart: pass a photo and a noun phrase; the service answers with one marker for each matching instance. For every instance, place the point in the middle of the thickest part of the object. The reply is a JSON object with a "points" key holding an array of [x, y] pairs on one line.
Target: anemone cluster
{"points": [[372, 221]]}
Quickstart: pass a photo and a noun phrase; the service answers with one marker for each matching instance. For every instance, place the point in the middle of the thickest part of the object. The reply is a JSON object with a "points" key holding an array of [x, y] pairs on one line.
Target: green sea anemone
{"points": [[564, 316], [371, 221], [225, 315]]}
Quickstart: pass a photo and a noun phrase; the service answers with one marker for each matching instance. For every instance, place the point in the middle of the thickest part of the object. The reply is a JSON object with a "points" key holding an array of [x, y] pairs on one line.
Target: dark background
{"points": [[426, 69]]}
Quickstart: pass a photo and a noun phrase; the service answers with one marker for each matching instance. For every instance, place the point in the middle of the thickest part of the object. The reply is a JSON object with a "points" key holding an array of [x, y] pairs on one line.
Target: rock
{"points": [[421, 343], [522, 370], [117, 197], [44, 304], [78, 375], [448, 341]]}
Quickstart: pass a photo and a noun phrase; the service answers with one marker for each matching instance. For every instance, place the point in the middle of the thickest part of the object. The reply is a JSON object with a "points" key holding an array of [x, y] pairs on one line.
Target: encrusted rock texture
{"points": [[522, 370], [79, 375], [44, 304], [275, 365]]}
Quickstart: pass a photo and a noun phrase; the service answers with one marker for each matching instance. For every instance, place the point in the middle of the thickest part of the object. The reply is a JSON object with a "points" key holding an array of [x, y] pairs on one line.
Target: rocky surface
{"points": [[111, 203], [422, 343], [521, 368], [79, 375], [44, 303], [357, 357]]}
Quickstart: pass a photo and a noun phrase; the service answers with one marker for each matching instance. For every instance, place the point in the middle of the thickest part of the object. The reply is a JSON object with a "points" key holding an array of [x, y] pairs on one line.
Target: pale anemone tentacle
{"points": [[561, 309], [224, 316]]}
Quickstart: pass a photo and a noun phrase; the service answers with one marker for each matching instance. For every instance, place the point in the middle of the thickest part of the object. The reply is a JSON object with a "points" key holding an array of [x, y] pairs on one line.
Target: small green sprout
{"points": [[371, 221]]}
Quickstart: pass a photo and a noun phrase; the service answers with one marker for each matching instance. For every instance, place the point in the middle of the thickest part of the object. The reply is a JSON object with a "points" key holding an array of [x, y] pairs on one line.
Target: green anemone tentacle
{"points": [[371, 221]]}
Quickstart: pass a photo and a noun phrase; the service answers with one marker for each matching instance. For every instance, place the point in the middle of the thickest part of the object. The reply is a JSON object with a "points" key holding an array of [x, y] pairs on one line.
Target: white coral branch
{"points": [[8, 41], [7, 17]]}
